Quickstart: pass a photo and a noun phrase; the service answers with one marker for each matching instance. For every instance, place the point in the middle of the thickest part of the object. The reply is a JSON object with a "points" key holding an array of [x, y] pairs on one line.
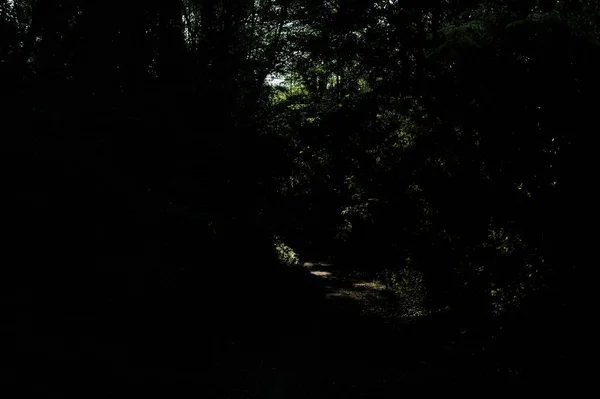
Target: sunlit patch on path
{"points": [[316, 269], [321, 273]]}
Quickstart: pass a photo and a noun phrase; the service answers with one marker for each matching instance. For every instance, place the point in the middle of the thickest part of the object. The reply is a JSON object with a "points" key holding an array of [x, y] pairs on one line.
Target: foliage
{"points": [[407, 283], [285, 254]]}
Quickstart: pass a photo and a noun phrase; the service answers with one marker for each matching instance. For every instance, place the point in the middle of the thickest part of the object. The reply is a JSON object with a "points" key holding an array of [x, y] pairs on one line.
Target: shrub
{"points": [[285, 253], [407, 283]]}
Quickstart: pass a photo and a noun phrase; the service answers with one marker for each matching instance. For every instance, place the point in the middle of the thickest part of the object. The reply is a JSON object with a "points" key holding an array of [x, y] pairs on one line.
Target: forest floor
{"points": [[359, 344], [356, 335], [362, 344], [349, 342]]}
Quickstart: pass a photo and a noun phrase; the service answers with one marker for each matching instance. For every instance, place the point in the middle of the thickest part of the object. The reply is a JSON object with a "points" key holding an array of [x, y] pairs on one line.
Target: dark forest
{"points": [[296, 198]]}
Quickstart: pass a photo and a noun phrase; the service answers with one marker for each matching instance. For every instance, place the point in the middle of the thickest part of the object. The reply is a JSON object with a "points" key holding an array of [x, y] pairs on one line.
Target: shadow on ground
{"points": [[293, 333]]}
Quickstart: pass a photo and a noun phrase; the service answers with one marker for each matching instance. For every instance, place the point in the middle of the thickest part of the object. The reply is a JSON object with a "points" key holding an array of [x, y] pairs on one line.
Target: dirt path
{"points": [[345, 293], [355, 348]]}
